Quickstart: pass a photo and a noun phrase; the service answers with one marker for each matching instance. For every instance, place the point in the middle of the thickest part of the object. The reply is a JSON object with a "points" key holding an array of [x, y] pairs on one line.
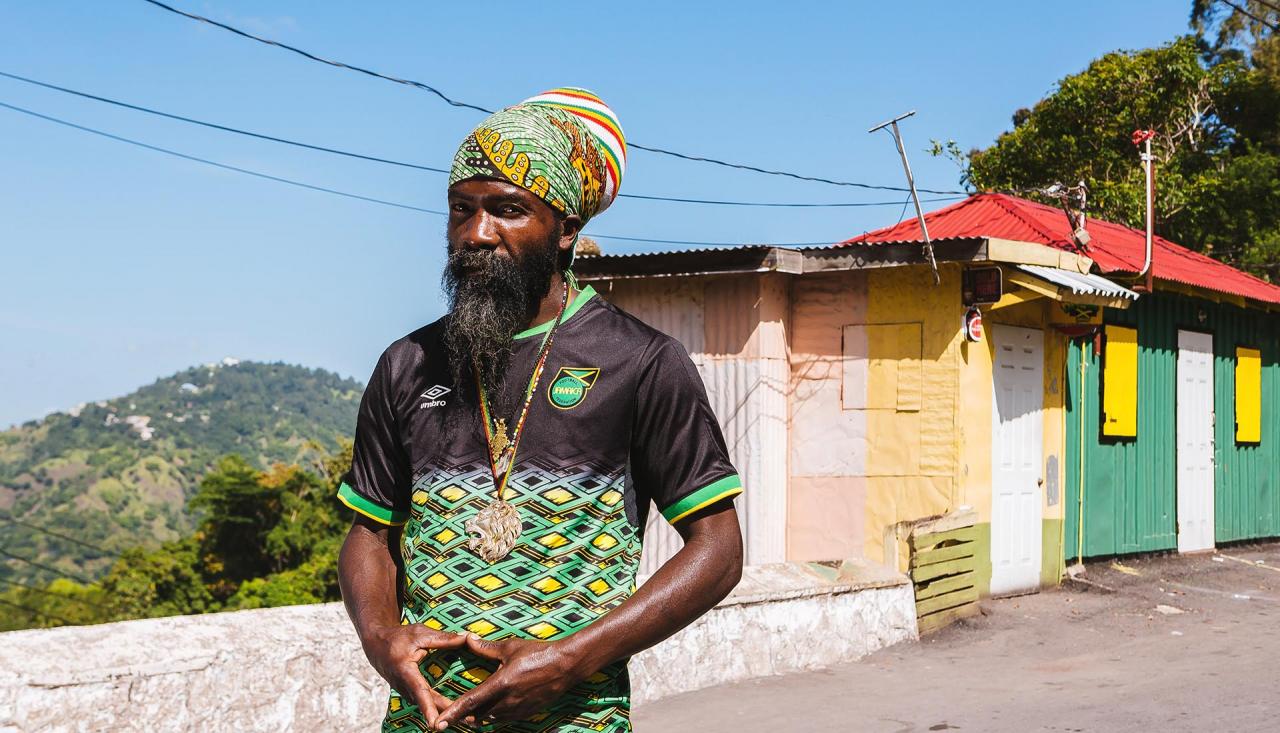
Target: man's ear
{"points": [[569, 228]]}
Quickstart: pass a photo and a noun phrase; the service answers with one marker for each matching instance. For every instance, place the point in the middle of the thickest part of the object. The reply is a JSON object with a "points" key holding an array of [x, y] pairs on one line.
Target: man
{"points": [[507, 454]]}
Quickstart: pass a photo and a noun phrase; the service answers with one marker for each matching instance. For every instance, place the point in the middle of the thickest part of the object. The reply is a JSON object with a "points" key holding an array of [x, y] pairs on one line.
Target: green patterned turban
{"points": [[565, 146]]}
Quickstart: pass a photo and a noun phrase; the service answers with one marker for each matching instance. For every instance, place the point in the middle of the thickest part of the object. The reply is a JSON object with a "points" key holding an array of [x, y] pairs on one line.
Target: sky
{"points": [[120, 265]]}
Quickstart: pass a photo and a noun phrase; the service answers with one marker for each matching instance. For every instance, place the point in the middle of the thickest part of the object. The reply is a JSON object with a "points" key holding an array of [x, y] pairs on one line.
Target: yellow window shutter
{"points": [[1248, 395], [1120, 383]]}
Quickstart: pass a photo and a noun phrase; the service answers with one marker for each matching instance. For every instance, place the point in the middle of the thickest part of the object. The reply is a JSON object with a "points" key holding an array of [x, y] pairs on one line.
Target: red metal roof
{"points": [[1112, 247]]}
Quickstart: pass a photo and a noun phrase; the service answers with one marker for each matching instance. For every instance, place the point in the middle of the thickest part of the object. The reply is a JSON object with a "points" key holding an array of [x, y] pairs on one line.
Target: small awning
{"points": [[1072, 287]]}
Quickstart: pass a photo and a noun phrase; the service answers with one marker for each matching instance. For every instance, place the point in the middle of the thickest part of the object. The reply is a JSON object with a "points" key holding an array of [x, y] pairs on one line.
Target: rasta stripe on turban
{"points": [[565, 146]]}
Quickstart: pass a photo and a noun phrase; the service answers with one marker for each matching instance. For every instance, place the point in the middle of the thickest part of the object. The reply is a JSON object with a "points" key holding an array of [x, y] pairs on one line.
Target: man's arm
{"points": [[534, 673], [367, 575]]}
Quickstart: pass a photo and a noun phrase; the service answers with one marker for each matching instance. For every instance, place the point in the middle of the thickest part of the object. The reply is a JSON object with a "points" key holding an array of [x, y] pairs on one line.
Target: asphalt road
{"points": [[1164, 644]]}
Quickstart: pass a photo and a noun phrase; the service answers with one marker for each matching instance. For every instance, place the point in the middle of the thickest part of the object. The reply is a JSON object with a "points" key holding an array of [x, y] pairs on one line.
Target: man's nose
{"points": [[481, 231]]}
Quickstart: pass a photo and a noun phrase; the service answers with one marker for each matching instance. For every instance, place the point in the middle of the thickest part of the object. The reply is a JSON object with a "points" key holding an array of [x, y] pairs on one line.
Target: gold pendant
{"points": [[499, 442], [494, 531]]}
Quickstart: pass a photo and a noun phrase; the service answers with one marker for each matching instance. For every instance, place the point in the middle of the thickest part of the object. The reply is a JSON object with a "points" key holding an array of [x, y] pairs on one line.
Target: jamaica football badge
{"points": [[570, 386]]}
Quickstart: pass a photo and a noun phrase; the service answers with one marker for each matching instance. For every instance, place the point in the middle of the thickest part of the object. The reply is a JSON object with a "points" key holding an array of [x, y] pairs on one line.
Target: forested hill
{"points": [[117, 473]]}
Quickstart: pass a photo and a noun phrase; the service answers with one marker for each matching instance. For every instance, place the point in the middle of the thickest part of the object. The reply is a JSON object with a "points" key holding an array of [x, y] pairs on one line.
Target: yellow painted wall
{"points": [[912, 439], [933, 460]]}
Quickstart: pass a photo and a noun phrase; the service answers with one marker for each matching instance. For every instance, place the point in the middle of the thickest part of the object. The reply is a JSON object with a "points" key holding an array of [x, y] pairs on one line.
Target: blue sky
{"points": [[121, 265]]}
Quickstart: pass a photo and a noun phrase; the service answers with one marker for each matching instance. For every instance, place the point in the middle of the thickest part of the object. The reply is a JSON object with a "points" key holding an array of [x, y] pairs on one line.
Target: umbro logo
{"points": [[433, 395]]}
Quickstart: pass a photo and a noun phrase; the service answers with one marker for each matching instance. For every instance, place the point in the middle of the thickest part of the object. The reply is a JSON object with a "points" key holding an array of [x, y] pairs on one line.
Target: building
{"points": [[856, 405]]}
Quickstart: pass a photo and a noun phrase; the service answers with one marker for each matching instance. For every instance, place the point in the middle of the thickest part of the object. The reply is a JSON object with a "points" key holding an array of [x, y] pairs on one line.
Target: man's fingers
{"points": [[431, 639], [471, 705], [442, 703], [421, 694], [494, 651]]}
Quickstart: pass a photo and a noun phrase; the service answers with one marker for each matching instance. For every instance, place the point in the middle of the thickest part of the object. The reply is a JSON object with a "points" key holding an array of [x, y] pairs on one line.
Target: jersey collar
{"points": [[580, 300]]}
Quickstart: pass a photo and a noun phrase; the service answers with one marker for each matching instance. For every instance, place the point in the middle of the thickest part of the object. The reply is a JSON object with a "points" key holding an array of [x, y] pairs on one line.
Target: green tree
{"points": [[1216, 187], [264, 538], [162, 582]]}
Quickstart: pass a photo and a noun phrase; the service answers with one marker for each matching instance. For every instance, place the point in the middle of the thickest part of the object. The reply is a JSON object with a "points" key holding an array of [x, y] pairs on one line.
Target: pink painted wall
{"points": [[827, 436]]}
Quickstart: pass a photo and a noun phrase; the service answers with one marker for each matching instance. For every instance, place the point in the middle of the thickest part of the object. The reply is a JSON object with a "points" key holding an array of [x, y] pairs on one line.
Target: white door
{"points": [[1017, 424], [1195, 441]]}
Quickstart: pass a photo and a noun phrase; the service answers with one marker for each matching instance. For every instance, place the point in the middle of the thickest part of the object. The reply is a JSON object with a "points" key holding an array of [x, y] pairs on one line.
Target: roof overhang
{"points": [[722, 261], [767, 258], [1071, 287]]}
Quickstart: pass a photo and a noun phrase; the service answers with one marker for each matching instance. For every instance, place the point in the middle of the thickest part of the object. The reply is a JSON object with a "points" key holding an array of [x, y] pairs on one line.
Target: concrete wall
{"points": [[301, 668]]}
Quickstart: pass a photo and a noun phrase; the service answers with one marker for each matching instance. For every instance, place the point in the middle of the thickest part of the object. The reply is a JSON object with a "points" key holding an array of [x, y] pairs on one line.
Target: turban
{"points": [[565, 146]]}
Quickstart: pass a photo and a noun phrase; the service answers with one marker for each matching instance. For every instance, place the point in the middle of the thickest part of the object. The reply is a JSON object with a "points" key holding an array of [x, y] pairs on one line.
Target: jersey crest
{"points": [[570, 386]]}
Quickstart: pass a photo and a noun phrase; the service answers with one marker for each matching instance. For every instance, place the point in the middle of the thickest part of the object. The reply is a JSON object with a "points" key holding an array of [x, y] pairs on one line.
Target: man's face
{"points": [[503, 219], [504, 249]]}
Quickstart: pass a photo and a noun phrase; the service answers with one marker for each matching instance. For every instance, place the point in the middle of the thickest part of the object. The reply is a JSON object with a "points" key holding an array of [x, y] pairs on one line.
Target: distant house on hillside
{"points": [[856, 404]]}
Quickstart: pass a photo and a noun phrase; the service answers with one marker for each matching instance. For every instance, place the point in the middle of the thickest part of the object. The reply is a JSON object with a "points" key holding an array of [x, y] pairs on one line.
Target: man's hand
{"points": [[395, 651], [530, 676]]}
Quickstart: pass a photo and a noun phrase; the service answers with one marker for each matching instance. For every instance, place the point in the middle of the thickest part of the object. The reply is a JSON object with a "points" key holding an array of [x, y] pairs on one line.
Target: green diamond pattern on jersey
{"points": [[575, 560]]}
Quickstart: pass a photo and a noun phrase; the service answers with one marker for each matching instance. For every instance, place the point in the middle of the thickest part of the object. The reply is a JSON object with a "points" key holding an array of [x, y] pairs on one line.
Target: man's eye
{"points": [[511, 211]]}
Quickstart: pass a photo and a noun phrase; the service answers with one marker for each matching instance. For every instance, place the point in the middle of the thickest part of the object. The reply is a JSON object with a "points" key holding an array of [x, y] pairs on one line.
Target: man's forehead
{"points": [[489, 187]]}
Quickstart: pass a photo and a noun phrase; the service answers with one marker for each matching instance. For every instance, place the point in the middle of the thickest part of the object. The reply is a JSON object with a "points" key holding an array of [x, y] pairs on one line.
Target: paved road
{"points": [[1156, 644]]}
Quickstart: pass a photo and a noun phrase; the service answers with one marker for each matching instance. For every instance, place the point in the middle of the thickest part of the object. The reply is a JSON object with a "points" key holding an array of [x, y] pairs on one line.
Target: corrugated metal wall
{"points": [[1130, 499], [1247, 476], [730, 327]]}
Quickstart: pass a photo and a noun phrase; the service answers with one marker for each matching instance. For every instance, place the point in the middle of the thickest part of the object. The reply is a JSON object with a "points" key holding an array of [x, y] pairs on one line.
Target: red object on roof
{"points": [[1112, 247]]}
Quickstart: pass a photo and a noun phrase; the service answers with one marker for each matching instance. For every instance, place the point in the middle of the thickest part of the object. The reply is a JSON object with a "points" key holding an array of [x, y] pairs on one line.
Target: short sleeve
{"points": [[678, 454], [378, 484]]}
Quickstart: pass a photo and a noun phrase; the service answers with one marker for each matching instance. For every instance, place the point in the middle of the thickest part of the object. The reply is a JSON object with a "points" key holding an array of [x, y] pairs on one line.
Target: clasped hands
{"points": [[530, 674]]}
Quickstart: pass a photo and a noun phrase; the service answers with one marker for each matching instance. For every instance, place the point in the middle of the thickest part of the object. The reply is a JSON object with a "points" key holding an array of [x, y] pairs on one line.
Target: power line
{"points": [[404, 164], [798, 205], [48, 568], [1241, 11], [478, 108], [59, 535], [215, 164], [50, 593], [335, 192], [313, 57], [35, 612], [224, 128]]}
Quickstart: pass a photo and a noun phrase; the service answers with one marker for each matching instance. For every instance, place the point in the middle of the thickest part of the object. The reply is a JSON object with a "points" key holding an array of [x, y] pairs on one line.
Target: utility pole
{"points": [[1143, 137], [911, 184]]}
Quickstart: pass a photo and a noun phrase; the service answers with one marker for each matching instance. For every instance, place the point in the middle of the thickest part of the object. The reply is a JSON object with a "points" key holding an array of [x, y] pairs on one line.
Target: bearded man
{"points": [[506, 457]]}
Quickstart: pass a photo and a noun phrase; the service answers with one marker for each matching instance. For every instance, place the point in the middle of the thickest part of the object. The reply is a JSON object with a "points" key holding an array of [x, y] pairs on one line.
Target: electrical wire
{"points": [[35, 612], [478, 108], [417, 166], [216, 126], [47, 568], [1239, 10], [51, 533], [313, 57], [223, 166], [322, 189], [798, 205]]}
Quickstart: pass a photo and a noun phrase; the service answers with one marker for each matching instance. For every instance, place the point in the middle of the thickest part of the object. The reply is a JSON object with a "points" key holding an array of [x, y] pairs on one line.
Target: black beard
{"points": [[491, 299]]}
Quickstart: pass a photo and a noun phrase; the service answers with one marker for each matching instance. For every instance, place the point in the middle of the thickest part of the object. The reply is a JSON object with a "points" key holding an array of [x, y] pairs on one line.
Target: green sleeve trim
{"points": [[704, 497], [579, 300], [383, 515]]}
